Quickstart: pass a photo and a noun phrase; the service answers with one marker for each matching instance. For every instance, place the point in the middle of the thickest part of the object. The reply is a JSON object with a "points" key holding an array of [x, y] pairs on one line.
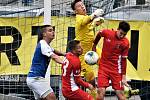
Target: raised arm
{"points": [[85, 20], [95, 42]]}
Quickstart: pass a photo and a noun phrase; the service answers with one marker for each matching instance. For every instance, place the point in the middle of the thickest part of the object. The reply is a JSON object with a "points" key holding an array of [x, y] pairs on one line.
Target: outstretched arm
{"points": [[79, 81], [56, 58], [95, 42], [59, 53]]}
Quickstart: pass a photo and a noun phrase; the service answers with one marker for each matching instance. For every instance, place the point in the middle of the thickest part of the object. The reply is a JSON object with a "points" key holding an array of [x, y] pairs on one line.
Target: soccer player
{"points": [[44, 52], [84, 33], [112, 64], [71, 79]]}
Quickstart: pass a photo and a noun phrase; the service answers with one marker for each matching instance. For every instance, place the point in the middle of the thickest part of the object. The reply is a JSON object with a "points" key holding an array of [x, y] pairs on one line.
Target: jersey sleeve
{"points": [[103, 33], [124, 57], [46, 49], [125, 50], [77, 77], [83, 20]]}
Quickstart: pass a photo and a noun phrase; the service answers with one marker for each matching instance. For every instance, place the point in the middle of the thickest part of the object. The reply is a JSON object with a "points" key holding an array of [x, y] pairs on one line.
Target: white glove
{"points": [[97, 13], [97, 21]]}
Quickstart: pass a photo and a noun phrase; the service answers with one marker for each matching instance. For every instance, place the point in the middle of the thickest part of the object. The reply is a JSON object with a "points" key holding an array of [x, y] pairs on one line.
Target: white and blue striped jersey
{"points": [[40, 59]]}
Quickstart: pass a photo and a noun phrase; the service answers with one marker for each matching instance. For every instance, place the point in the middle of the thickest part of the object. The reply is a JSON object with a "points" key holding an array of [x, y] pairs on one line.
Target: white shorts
{"points": [[40, 86]]}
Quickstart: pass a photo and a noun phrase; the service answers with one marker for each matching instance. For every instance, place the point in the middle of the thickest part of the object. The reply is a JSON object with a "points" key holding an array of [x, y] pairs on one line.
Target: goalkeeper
{"points": [[84, 33]]}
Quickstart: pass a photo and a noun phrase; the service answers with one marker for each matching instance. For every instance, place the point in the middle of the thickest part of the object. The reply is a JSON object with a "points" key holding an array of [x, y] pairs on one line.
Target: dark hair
{"points": [[72, 44], [124, 26], [41, 30], [73, 4]]}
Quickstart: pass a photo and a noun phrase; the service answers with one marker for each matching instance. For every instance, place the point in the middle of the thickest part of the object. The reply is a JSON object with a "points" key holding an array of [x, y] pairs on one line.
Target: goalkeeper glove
{"points": [[97, 13], [97, 21]]}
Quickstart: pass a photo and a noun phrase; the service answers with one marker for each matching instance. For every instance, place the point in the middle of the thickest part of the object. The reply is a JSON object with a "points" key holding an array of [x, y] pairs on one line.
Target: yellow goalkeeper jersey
{"points": [[84, 32]]}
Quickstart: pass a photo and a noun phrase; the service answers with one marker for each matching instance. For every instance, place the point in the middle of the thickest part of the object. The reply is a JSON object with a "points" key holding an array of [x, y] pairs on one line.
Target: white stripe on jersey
{"points": [[74, 86], [119, 64]]}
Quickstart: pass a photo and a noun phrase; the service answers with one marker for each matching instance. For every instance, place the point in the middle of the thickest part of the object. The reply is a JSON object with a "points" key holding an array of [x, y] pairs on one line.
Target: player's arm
{"points": [[87, 19], [59, 53], [124, 64], [77, 77], [79, 81], [95, 42], [49, 52], [56, 58], [124, 58]]}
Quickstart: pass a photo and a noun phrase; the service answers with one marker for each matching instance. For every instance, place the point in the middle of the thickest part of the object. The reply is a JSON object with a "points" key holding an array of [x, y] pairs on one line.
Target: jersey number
{"points": [[65, 67]]}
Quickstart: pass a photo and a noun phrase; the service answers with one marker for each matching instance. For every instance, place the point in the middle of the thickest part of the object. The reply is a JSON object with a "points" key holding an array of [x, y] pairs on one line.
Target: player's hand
{"points": [[97, 13], [97, 21], [124, 81], [91, 87]]}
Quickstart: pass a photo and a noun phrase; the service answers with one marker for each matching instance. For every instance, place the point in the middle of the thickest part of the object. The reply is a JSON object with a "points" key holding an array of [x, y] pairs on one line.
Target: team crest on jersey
{"points": [[117, 46], [108, 40]]}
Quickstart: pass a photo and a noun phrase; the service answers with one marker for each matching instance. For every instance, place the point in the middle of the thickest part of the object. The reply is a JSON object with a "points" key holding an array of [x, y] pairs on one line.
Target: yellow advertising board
{"points": [[18, 40]]}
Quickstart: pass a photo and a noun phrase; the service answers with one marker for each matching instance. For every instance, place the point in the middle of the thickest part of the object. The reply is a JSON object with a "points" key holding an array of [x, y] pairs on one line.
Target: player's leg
{"points": [[49, 96], [117, 85], [100, 93], [120, 94], [36, 96], [41, 87], [29, 84], [90, 78], [103, 83], [80, 95], [86, 70]]}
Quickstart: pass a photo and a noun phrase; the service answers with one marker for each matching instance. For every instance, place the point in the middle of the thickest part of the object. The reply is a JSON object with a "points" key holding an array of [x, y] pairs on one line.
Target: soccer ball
{"points": [[91, 57]]}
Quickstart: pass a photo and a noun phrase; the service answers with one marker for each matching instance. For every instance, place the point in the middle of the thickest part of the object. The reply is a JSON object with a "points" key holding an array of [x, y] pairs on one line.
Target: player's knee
{"points": [[100, 93], [51, 96], [89, 76], [120, 95], [99, 97]]}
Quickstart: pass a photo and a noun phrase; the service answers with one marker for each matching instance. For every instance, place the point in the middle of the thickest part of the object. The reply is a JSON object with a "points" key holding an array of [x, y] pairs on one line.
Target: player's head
{"points": [[123, 29], [46, 32], [78, 7], [75, 47]]}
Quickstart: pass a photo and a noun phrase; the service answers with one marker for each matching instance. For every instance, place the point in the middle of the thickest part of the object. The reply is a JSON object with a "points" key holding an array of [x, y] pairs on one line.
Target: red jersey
{"points": [[71, 74], [113, 51]]}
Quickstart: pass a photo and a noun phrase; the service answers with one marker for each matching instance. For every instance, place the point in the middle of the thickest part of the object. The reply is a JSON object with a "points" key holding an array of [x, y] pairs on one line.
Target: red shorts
{"points": [[77, 95], [104, 76]]}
